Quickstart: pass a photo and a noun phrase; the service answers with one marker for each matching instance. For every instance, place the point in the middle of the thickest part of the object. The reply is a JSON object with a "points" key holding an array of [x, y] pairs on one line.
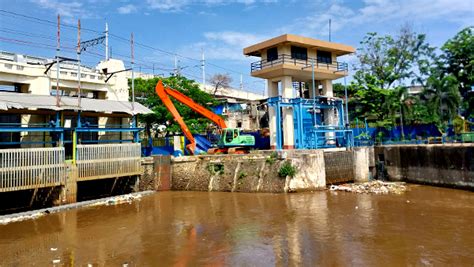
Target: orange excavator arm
{"points": [[164, 93]]}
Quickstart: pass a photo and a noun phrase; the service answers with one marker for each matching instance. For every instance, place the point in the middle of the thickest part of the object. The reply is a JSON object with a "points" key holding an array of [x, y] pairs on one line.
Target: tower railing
{"points": [[285, 59]]}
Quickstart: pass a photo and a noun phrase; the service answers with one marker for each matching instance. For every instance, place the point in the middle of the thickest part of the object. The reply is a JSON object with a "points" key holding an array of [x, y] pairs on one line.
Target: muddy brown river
{"points": [[425, 226]]}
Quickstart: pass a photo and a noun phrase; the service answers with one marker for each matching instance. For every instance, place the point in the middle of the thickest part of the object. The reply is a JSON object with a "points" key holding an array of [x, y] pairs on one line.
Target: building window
{"points": [[10, 139], [324, 57], [272, 54], [10, 88], [299, 52]]}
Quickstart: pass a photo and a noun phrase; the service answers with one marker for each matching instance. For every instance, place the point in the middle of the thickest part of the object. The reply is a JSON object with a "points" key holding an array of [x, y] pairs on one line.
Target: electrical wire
{"points": [[123, 39]]}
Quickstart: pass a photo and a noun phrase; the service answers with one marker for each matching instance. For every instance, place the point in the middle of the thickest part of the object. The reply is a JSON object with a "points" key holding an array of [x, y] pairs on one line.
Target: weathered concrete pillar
{"points": [[288, 123], [392, 163], [177, 144], [272, 92], [361, 164], [69, 190], [162, 170], [311, 172], [327, 88]]}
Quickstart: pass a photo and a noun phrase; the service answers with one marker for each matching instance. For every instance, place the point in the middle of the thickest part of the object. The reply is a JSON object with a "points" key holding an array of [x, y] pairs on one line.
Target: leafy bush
{"points": [[287, 169], [216, 168], [272, 158]]}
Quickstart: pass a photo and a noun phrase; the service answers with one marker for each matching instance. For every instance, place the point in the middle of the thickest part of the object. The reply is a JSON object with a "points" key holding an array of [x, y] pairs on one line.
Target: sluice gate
{"points": [[31, 168], [108, 161]]}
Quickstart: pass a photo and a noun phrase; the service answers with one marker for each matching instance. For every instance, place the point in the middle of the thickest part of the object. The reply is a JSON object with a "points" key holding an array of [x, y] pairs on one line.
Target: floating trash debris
{"points": [[373, 187], [35, 215], [129, 198]]}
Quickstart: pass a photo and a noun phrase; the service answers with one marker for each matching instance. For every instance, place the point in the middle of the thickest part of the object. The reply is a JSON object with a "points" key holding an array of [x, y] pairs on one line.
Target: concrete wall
{"points": [[444, 165], [258, 172], [248, 173]]}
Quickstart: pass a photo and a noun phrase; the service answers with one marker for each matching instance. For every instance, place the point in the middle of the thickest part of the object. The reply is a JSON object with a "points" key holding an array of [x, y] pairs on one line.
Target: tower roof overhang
{"points": [[338, 49]]}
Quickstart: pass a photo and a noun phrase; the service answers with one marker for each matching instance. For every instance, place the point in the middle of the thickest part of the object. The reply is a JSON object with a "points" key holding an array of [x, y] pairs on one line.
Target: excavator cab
{"points": [[231, 137]]}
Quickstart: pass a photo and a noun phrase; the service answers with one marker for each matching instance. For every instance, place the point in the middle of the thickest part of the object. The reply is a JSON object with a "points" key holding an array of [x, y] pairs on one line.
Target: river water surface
{"points": [[425, 226]]}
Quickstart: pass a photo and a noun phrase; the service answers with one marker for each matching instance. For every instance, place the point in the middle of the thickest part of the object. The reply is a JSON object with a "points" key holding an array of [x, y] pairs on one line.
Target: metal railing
{"points": [[29, 168], [303, 63], [108, 160]]}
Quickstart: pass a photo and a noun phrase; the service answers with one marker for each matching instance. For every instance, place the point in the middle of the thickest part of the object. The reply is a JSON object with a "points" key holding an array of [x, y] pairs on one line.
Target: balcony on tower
{"points": [[292, 55]]}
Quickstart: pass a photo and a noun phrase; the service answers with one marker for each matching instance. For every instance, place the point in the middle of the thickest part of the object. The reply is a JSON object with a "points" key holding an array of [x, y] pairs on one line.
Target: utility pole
{"points": [[265, 89], [79, 63], [175, 65], [313, 88], [347, 103], [106, 41], [329, 30], [57, 61], [133, 78], [203, 68], [401, 117], [241, 82]]}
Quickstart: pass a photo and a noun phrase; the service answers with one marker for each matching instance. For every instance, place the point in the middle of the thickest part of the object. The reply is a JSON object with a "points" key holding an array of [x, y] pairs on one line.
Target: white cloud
{"points": [[179, 5], [127, 9], [233, 38], [67, 9], [226, 45], [379, 11]]}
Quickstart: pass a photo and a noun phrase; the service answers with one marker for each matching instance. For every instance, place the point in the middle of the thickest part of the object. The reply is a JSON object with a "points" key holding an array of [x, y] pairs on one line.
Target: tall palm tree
{"points": [[443, 97]]}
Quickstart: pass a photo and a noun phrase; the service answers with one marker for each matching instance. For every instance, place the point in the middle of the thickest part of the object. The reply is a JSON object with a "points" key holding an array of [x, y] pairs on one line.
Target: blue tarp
{"points": [[218, 109]]}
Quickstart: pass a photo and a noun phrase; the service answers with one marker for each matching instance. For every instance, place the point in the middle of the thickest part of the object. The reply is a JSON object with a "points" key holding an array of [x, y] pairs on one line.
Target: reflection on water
{"points": [[425, 226]]}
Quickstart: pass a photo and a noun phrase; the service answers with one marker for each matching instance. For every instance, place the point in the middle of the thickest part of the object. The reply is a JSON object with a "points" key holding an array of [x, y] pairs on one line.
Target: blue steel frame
{"points": [[134, 129], [56, 128], [316, 137]]}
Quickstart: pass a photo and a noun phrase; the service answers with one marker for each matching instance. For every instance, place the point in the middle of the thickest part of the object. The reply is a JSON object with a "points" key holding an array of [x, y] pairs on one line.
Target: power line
{"points": [[53, 23], [45, 21]]}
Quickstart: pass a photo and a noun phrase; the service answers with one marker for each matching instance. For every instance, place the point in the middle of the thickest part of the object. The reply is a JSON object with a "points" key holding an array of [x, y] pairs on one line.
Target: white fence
{"points": [[106, 161], [28, 168]]}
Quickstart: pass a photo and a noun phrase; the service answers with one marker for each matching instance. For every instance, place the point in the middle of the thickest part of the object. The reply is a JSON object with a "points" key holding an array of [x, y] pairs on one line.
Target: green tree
{"points": [[370, 101], [442, 97], [458, 61], [392, 60], [145, 94]]}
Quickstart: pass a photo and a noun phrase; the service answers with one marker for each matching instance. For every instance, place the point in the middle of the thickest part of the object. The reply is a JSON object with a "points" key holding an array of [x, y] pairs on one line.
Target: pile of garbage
{"points": [[129, 198], [372, 187]]}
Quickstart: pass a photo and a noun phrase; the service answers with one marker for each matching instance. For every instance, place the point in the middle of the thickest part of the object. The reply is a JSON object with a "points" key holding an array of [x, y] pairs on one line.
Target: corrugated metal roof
{"points": [[28, 101]]}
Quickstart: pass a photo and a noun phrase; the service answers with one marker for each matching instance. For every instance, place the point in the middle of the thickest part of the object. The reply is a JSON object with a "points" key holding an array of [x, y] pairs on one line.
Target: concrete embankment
{"points": [[449, 165], [269, 171]]}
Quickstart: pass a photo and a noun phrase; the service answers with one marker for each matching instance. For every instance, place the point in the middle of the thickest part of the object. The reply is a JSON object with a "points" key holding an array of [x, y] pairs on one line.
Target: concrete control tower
{"points": [[298, 67]]}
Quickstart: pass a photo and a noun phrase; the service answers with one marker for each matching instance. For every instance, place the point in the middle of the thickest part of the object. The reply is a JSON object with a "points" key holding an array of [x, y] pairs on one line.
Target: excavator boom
{"points": [[164, 93]]}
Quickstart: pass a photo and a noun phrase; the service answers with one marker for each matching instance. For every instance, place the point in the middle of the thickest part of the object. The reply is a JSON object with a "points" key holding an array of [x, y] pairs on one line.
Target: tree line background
{"points": [[388, 66]]}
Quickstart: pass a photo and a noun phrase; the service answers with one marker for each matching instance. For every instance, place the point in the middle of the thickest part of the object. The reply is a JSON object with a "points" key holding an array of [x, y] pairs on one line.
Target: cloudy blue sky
{"points": [[221, 28]]}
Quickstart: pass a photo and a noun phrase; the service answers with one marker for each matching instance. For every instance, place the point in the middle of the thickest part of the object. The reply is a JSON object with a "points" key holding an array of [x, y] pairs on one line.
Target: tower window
{"points": [[272, 54], [299, 52], [324, 57]]}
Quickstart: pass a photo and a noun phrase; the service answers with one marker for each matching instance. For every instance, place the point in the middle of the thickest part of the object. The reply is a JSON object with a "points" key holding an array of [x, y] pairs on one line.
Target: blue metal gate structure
{"points": [[310, 130]]}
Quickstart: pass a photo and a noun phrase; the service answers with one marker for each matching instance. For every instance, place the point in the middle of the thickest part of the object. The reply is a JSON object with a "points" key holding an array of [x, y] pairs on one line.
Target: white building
{"points": [[28, 94]]}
